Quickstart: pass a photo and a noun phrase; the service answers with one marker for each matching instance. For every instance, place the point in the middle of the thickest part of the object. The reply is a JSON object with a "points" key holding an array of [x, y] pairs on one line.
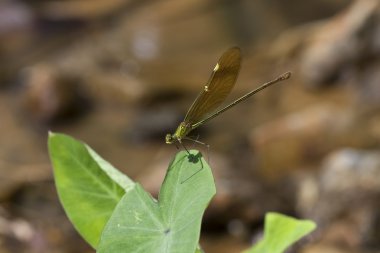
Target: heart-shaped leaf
{"points": [[280, 232], [171, 224], [89, 188]]}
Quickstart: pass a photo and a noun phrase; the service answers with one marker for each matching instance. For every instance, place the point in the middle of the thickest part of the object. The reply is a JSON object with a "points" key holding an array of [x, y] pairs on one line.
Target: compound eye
{"points": [[168, 139]]}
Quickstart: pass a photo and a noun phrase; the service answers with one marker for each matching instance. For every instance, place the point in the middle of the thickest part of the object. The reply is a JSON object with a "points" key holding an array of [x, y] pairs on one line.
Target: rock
{"points": [[23, 157], [17, 28], [61, 10], [347, 199], [47, 95], [360, 170], [28, 230], [15, 17], [12, 181], [340, 43], [326, 248], [19, 229], [366, 86], [296, 139]]}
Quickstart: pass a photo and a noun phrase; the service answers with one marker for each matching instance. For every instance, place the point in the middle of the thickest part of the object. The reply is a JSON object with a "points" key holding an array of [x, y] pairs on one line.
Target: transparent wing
{"points": [[218, 87]]}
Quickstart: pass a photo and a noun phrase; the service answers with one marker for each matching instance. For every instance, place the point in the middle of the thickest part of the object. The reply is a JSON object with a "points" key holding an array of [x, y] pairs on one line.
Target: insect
{"points": [[216, 90]]}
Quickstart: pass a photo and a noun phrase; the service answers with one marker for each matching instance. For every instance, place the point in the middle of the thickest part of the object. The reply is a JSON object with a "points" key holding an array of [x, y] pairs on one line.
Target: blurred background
{"points": [[120, 74]]}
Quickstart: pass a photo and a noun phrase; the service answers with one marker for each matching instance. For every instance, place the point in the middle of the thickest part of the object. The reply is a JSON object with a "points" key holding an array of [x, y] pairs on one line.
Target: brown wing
{"points": [[218, 87]]}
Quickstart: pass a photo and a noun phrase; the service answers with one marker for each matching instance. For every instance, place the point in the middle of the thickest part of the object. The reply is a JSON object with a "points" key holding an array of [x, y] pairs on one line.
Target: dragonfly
{"points": [[214, 93]]}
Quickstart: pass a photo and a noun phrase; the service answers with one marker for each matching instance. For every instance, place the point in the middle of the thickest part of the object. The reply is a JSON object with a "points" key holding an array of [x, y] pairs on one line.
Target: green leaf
{"points": [[171, 224], [280, 232], [89, 188]]}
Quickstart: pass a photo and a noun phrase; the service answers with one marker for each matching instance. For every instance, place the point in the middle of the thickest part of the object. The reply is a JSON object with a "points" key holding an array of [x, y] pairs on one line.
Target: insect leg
{"points": [[201, 143], [180, 142], [196, 141]]}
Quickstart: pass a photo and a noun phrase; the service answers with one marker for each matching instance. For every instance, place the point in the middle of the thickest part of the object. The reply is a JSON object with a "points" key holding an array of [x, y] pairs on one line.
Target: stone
{"points": [[340, 43], [296, 139], [346, 202]]}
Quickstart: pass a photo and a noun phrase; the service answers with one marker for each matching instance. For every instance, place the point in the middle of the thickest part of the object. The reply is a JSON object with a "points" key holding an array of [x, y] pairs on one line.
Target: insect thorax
{"points": [[182, 130]]}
